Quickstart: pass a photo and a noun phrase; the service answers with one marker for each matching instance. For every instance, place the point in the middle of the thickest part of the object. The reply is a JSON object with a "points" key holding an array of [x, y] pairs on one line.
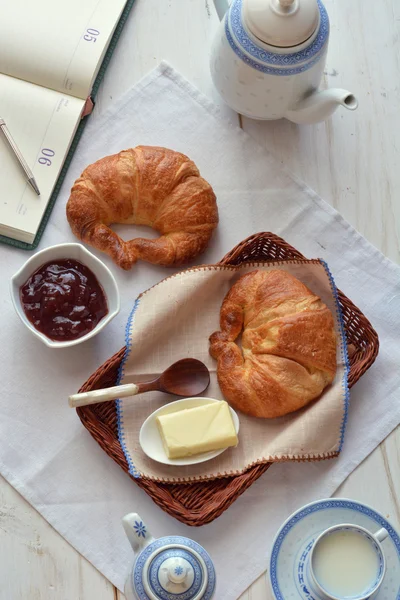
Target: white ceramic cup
{"points": [[376, 578]]}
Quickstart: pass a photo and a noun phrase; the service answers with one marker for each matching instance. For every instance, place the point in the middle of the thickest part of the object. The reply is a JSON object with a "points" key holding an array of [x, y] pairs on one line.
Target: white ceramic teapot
{"points": [[268, 58], [166, 568]]}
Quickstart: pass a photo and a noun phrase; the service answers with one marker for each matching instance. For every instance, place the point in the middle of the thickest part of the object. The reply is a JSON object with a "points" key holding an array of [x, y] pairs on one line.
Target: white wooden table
{"points": [[351, 161]]}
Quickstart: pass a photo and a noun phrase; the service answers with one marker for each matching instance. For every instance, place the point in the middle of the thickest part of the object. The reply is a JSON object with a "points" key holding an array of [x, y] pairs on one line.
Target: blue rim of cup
{"points": [[317, 506], [377, 547]]}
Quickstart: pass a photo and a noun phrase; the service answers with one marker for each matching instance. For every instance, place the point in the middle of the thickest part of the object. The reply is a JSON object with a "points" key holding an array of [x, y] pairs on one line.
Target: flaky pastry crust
{"points": [[146, 185], [288, 353]]}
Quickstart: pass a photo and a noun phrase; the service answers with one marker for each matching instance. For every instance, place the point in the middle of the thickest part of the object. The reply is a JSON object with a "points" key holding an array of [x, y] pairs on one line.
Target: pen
{"points": [[20, 158]]}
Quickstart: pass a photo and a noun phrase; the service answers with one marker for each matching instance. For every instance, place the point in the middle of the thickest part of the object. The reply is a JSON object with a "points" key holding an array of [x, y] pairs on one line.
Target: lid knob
{"points": [[281, 23], [174, 567], [175, 574], [178, 570]]}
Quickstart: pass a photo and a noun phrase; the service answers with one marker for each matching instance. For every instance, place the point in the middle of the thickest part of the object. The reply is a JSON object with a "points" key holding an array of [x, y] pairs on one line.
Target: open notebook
{"points": [[53, 54]]}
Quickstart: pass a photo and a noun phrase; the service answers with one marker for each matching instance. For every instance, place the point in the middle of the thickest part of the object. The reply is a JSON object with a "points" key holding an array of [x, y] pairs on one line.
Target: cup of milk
{"points": [[347, 563]]}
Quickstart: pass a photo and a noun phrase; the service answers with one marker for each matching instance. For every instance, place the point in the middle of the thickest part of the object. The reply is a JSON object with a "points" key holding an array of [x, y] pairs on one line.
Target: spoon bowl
{"points": [[187, 377]]}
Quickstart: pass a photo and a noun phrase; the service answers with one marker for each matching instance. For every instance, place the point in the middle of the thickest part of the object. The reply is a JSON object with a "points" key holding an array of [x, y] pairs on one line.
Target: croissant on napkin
{"points": [[288, 345], [146, 185]]}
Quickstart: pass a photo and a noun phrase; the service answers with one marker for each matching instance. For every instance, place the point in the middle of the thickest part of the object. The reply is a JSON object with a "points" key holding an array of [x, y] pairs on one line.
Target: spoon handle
{"points": [[111, 393]]}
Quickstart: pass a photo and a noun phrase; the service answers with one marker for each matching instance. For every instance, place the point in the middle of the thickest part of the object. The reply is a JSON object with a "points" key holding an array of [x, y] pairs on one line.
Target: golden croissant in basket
{"points": [[288, 353], [146, 185]]}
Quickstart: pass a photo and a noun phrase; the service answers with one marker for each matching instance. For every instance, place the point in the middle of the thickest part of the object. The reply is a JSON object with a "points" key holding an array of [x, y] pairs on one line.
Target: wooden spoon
{"points": [[187, 377]]}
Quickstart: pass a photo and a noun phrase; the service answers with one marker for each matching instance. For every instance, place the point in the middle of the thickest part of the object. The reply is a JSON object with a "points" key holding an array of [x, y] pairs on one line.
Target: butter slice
{"points": [[197, 430]]}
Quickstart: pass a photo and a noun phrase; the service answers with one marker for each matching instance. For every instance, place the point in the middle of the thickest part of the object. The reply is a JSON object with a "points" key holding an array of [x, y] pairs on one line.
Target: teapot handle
{"points": [[221, 6], [137, 531]]}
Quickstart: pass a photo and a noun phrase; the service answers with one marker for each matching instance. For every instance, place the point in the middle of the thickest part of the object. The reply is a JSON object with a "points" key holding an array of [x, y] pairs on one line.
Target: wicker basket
{"points": [[200, 503]]}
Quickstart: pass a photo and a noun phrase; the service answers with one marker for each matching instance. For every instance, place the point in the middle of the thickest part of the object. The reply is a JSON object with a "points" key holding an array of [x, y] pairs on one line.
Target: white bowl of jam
{"points": [[65, 295]]}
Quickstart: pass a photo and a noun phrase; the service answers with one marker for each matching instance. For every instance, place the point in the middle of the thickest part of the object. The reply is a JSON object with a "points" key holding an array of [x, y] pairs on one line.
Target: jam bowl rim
{"points": [[75, 251]]}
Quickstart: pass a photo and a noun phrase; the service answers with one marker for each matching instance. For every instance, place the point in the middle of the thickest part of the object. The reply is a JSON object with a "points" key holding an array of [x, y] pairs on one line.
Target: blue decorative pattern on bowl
{"points": [[137, 575], [270, 62]]}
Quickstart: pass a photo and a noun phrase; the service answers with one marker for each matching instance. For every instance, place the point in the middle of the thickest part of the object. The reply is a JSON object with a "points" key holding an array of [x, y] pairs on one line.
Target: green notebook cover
{"points": [[75, 141]]}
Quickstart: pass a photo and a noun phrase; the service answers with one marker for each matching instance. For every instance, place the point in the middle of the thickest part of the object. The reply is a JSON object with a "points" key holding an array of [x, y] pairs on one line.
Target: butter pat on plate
{"points": [[192, 431]]}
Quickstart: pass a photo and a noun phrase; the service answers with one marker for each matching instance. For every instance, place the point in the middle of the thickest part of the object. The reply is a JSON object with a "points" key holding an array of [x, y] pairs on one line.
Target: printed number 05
{"points": [[45, 160], [91, 35]]}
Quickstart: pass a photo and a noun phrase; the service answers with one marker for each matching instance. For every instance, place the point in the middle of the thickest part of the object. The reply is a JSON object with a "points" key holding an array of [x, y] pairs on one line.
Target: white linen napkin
{"points": [[45, 452], [174, 319]]}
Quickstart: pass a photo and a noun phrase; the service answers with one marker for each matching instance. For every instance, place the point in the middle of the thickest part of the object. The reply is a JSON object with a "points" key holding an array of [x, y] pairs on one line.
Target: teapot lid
{"points": [[174, 567], [281, 23]]}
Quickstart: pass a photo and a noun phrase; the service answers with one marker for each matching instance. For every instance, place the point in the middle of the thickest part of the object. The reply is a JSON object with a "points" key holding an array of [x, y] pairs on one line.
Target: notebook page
{"points": [[58, 44], [42, 123]]}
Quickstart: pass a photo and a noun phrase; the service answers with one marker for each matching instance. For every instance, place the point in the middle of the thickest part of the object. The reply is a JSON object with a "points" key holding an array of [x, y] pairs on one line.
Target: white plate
{"points": [[151, 442], [295, 539]]}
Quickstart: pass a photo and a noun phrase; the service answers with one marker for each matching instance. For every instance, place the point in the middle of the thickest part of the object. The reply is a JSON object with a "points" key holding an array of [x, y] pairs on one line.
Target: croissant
{"points": [[288, 353], [146, 185]]}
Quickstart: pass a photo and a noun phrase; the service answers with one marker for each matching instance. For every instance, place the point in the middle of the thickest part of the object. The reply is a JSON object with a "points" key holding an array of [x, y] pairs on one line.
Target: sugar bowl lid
{"points": [[173, 568], [281, 23]]}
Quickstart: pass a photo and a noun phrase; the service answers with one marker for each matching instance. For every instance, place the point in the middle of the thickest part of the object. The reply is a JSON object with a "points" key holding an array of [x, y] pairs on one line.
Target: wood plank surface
{"points": [[36, 563]]}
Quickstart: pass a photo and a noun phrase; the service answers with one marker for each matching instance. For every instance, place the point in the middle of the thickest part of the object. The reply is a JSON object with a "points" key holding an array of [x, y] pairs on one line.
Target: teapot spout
{"points": [[320, 105]]}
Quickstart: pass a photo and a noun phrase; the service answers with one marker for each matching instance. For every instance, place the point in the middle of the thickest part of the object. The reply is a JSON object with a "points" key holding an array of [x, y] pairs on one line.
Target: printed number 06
{"points": [[45, 160], [91, 35]]}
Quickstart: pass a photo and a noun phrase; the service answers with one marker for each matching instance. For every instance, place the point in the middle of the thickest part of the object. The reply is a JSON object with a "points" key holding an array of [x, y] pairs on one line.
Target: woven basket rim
{"points": [[208, 499]]}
